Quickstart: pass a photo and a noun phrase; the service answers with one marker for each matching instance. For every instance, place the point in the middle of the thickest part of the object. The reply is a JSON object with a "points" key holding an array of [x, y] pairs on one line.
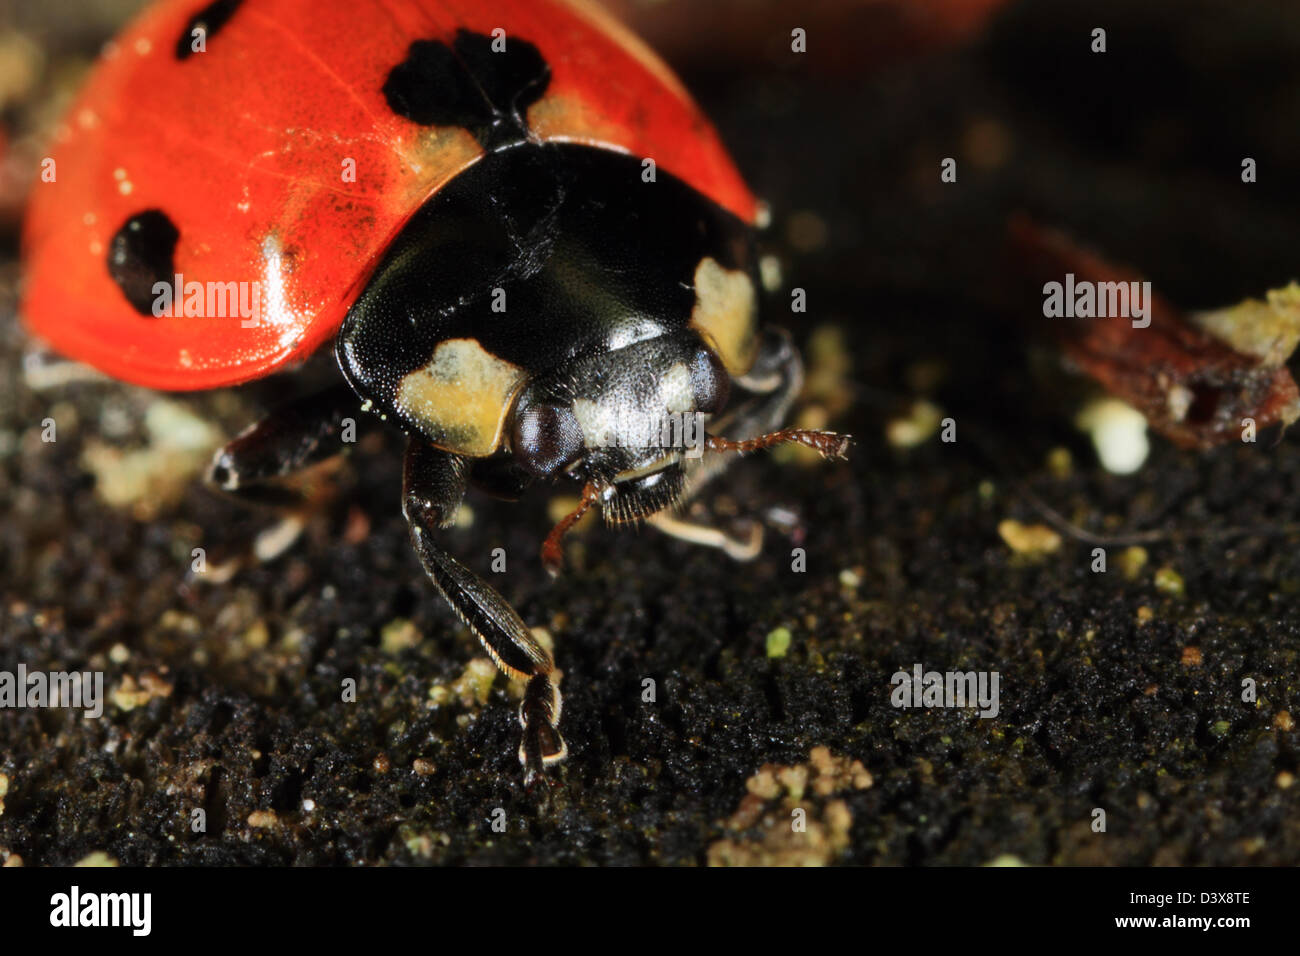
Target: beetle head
{"points": [[626, 421]]}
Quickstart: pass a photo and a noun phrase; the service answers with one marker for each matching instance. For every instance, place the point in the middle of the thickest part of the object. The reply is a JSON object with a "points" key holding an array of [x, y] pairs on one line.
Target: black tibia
{"points": [[433, 486], [294, 436]]}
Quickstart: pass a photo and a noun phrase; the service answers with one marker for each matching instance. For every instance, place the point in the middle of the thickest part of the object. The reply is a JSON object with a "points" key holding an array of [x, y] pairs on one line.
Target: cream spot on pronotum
{"points": [[460, 399], [725, 314]]}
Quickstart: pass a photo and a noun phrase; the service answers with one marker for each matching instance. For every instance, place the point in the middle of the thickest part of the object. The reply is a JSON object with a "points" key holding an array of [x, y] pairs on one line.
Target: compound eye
{"points": [[546, 439], [710, 382]]}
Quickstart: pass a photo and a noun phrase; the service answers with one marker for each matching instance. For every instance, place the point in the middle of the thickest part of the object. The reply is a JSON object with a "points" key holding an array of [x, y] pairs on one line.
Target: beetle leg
{"points": [[290, 438], [433, 486], [733, 546], [253, 468]]}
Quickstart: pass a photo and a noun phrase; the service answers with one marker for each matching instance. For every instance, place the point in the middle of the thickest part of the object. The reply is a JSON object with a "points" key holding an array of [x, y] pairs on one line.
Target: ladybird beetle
{"points": [[521, 235]]}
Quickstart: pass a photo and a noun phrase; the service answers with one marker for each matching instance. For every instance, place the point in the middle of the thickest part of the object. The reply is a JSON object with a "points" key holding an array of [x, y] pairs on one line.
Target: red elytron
{"points": [[244, 146]]}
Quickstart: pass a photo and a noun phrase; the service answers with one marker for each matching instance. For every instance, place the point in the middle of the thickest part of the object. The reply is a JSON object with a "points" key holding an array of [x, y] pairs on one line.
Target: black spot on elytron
{"points": [[140, 255], [211, 18], [469, 85]]}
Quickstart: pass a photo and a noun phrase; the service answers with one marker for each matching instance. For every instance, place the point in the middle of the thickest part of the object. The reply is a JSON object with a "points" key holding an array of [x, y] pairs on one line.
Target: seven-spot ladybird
{"points": [[528, 246]]}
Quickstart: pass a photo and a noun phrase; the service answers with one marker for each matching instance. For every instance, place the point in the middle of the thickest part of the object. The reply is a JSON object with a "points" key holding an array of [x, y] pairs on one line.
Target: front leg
{"points": [[259, 466], [433, 486], [253, 466]]}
